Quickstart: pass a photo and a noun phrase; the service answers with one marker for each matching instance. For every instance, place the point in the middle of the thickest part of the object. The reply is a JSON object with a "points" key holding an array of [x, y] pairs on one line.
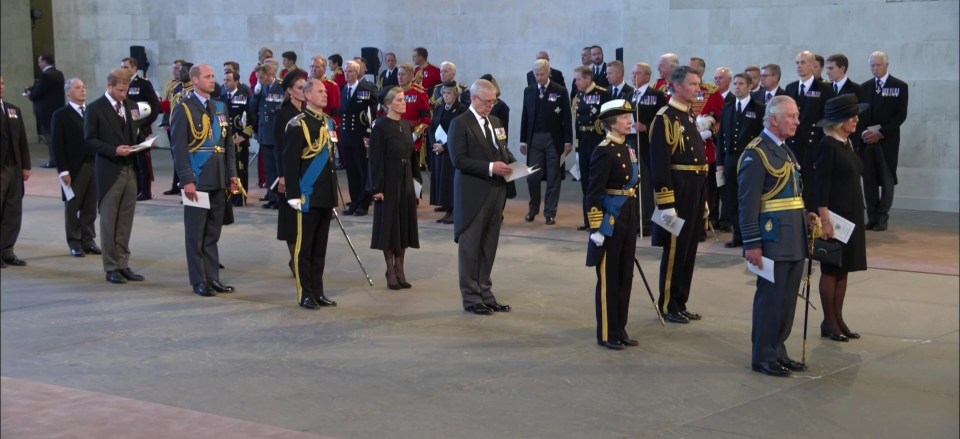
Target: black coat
{"points": [[441, 177], [47, 96], [737, 130], [889, 110], [555, 76], [391, 174], [142, 90], [286, 216], [761, 95], [838, 174], [66, 134], [103, 131], [558, 120], [14, 139]]}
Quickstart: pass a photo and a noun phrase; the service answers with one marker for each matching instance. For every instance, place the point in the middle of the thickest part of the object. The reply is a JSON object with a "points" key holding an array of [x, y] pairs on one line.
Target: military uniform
{"points": [[427, 77], [803, 144], [772, 218], [589, 134], [311, 178], [203, 151], [238, 109], [614, 212], [141, 90], [709, 102], [358, 108], [679, 166], [420, 114], [263, 108], [436, 98]]}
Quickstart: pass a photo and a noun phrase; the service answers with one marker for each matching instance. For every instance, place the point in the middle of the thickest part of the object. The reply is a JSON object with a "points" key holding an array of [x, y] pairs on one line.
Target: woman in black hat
{"points": [[837, 177], [614, 217], [441, 174], [291, 107], [390, 180]]}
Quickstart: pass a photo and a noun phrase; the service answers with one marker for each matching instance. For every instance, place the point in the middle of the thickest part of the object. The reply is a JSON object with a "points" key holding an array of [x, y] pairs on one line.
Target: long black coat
{"points": [[286, 216], [395, 217], [441, 177]]}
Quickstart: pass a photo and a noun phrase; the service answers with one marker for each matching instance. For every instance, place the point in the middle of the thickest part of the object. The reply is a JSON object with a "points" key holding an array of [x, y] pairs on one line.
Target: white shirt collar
{"points": [[643, 88], [841, 82], [75, 106], [883, 79], [47, 68], [806, 84], [773, 136], [477, 115], [354, 84], [113, 102], [745, 101]]}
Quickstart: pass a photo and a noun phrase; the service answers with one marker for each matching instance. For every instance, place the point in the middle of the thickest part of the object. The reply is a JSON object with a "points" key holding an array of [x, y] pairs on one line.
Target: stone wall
{"points": [[502, 37]]}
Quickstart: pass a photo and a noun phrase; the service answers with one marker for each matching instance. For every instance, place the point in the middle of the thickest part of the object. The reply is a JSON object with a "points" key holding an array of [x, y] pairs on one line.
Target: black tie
{"points": [[83, 110], [769, 96], [803, 88], [836, 89], [739, 108], [349, 92], [616, 92], [542, 89], [489, 133], [879, 85], [117, 107]]}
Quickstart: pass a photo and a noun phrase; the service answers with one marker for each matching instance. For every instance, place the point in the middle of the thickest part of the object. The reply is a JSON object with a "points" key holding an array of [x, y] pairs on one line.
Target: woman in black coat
{"points": [[837, 183], [391, 183], [441, 175], [291, 107]]}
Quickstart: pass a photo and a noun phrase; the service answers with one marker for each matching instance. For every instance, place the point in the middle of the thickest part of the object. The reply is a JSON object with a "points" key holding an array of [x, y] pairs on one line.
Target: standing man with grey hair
{"points": [[478, 148], [646, 101], [679, 163], [75, 164], [545, 134], [448, 74], [769, 84], [665, 66], [556, 76], [880, 131], [14, 171], [358, 108], [204, 157], [773, 225]]}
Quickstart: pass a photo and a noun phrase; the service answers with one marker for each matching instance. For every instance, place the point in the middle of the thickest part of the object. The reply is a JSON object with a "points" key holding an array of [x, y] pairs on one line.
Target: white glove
{"points": [[256, 89], [706, 134], [295, 204], [669, 216], [597, 238]]}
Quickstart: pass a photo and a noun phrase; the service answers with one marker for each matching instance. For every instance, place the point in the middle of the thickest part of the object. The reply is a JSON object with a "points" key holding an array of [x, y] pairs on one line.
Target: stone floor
{"points": [[83, 358]]}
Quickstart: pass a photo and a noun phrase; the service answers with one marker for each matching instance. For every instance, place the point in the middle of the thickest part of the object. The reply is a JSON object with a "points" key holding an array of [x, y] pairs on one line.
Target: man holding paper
{"points": [[75, 165], [772, 223], [478, 148], [204, 155], [546, 134]]}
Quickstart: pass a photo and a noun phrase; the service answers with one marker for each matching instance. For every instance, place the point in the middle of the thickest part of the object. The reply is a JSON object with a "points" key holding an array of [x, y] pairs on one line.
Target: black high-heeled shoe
{"points": [[826, 332], [391, 286], [851, 334]]}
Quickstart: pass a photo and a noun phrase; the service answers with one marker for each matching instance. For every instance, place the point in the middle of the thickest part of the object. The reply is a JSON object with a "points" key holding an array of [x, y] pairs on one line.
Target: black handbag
{"points": [[828, 252]]}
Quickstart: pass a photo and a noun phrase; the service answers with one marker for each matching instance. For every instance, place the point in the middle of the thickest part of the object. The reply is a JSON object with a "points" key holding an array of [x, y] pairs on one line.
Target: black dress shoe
{"points": [[323, 301], [627, 341], [793, 365], [691, 315], [479, 309], [447, 219], [733, 244], [308, 303], [220, 266], [48, 165], [850, 334], [144, 197], [15, 261], [497, 307], [219, 287], [675, 317], [92, 250], [128, 274], [404, 284], [551, 221], [529, 217], [172, 192], [349, 211], [581, 228], [76, 252], [615, 345], [3, 264], [880, 227], [114, 277], [263, 198], [270, 205], [439, 209], [360, 212], [201, 289], [645, 233], [827, 333], [771, 368]]}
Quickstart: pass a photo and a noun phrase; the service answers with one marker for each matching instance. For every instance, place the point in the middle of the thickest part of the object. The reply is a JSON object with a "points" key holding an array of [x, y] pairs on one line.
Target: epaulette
{"points": [[605, 142], [662, 110], [711, 87], [328, 80], [597, 87], [295, 120], [417, 87], [753, 143]]}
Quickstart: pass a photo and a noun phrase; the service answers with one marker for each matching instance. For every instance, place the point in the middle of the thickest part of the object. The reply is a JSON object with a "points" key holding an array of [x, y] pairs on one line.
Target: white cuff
{"points": [[490, 170], [64, 173]]}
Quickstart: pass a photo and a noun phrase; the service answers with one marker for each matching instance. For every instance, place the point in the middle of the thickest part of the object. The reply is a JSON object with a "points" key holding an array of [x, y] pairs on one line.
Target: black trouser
{"points": [[615, 275], [243, 172], [731, 201], [201, 234], [647, 205], [80, 213], [11, 207], [586, 143], [680, 252], [313, 229], [144, 173], [713, 195], [774, 306], [877, 184], [357, 168], [542, 153]]}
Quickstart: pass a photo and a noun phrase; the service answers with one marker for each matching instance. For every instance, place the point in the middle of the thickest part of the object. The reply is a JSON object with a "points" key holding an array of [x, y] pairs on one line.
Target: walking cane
{"points": [[349, 242], [649, 291], [814, 234]]}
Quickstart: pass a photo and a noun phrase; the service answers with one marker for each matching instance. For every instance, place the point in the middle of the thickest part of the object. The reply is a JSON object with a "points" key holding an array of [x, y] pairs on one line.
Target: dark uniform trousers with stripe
{"points": [[311, 251], [615, 274], [680, 252]]}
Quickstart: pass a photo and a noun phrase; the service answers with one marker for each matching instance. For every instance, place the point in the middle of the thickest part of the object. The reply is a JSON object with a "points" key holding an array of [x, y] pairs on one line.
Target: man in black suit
{"points": [[14, 171], [47, 97], [646, 100], [880, 131], [837, 65], [75, 164], [203, 157], [110, 130], [741, 122], [545, 134], [775, 229], [754, 71], [769, 84], [388, 77], [584, 61], [141, 90], [619, 89], [478, 148], [358, 107], [810, 95], [556, 76], [599, 67]]}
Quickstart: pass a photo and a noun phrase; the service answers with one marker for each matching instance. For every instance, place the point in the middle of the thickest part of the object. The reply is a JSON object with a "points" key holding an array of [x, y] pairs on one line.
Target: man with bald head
{"points": [[811, 95], [556, 76]]}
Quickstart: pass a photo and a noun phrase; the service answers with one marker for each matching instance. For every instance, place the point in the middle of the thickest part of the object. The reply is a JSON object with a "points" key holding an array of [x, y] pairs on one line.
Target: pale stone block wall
{"points": [[501, 37]]}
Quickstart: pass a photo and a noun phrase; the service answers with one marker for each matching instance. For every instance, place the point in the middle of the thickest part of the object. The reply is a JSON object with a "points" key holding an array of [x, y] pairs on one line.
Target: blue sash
{"points": [[199, 158], [317, 165], [613, 203]]}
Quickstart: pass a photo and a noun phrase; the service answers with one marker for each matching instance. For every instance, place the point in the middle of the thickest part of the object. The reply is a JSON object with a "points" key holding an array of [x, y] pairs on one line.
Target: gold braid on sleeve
{"points": [[314, 148], [673, 132]]}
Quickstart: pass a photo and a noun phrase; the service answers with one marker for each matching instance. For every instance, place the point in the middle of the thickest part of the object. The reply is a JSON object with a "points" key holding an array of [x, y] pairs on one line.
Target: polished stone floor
{"points": [[83, 358]]}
